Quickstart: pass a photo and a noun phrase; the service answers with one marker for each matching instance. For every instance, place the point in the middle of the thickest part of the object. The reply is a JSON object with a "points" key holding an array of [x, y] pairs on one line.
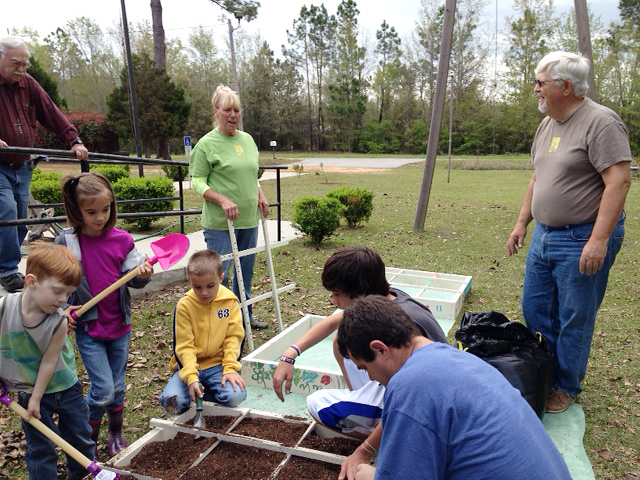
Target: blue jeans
{"points": [[560, 302], [246, 238], [176, 392], [73, 426], [106, 365], [14, 204]]}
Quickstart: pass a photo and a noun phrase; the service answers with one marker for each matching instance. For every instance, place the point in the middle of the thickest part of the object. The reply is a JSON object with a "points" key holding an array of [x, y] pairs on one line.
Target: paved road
{"points": [[373, 162]]}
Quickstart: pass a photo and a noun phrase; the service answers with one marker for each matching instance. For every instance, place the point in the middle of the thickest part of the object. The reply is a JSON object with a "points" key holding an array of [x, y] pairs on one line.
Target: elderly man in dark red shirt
{"points": [[22, 102]]}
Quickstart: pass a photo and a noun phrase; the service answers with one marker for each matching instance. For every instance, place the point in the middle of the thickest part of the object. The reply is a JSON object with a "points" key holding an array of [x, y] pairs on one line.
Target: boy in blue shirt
{"points": [[447, 414]]}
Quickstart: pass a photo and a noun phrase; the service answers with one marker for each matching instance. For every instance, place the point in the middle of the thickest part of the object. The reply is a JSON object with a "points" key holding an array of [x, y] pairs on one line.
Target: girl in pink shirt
{"points": [[103, 333]]}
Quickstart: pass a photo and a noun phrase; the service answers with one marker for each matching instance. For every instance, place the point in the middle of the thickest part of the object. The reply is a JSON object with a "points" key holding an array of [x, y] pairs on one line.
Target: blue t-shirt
{"points": [[450, 415]]}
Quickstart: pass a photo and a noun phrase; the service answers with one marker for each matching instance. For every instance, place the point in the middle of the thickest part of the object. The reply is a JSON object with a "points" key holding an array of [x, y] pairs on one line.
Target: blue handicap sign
{"points": [[187, 141]]}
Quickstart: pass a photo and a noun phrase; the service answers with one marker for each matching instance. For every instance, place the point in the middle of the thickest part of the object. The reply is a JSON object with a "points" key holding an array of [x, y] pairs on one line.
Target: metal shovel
{"points": [[90, 465], [168, 251]]}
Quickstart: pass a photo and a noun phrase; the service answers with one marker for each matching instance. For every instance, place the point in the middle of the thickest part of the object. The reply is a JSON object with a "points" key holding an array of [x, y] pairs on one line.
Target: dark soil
{"points": [[168, 459], [215, 423], [299, 468], [236, 462], [337, 445], [271, 429]]}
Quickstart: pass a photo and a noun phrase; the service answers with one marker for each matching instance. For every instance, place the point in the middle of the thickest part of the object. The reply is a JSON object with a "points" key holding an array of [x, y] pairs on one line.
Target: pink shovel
{"points": [[168, 251], [69, 449]]}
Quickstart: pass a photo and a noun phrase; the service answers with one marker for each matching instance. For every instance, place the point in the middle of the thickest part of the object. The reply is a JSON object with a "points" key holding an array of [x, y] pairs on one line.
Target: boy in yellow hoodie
{"points": [[207, 334]]}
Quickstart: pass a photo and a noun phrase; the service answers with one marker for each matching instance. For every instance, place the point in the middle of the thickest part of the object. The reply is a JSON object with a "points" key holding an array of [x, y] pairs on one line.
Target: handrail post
{"points": [[279, 208]]}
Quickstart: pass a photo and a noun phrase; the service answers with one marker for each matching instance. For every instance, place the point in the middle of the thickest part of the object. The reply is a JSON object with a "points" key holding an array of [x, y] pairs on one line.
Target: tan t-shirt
{"points": [[568, 158]]}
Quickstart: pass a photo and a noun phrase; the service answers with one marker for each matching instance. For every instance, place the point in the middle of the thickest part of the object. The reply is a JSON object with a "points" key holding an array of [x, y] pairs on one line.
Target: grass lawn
{"points": [[467, 225]]}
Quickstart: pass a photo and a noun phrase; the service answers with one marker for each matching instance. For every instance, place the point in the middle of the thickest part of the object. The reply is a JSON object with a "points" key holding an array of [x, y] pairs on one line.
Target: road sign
{"points": [[187, 141]]}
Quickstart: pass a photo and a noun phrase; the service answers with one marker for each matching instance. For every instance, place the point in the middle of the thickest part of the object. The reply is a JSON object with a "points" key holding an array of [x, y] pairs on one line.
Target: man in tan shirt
{"points": [[576, 195]]}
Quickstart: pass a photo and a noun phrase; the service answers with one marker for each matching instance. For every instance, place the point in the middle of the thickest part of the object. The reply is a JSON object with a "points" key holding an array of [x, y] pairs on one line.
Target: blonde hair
{"points": [[203, 262], [77, 189], [223, 98], [48, 260]]}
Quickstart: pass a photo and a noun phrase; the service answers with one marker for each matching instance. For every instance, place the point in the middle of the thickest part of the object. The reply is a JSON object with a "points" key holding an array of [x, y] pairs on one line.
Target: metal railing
{"points": [[68, 156]]}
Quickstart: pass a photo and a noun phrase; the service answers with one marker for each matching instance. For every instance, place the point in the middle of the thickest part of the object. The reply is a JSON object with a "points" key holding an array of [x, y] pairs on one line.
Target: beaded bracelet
{"points": [[284, 358], [295, 347]]}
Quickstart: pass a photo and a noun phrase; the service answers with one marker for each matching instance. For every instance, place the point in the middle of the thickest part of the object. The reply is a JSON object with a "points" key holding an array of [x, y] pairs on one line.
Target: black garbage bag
{"points": [[522, 357]]}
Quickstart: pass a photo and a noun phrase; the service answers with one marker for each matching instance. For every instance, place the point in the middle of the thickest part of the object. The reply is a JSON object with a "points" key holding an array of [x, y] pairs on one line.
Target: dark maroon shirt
{"points": [[21, 104]]}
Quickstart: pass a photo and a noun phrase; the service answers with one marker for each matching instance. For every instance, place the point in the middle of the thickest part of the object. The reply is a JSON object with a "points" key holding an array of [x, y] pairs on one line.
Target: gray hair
{"points": [[567, 66], [11, 42]]}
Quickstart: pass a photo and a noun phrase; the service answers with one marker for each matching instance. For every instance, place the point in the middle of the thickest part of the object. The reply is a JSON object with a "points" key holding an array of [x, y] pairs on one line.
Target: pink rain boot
{"points": [[115, 439]]}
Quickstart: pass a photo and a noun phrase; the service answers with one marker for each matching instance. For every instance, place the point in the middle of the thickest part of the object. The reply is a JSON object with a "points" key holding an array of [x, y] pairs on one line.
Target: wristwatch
{"points": [[77, 141]]}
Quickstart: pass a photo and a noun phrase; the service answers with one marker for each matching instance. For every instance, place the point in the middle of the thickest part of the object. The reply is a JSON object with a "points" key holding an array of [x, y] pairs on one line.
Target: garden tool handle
{"points": [[114, 286], [51, 435], [199, 399]]}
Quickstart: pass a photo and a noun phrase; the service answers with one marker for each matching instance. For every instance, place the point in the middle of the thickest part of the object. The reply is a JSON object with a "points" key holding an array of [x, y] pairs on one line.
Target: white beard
{"points": [[543, 107]]}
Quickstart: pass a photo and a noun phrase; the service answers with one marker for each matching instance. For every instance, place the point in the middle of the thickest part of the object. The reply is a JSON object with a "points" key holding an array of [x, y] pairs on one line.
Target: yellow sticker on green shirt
{"points": [[239, 149]]}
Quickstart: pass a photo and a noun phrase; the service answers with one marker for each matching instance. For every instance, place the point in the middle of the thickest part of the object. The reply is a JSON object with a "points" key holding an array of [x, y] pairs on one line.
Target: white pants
{"points": [[358, 410]]}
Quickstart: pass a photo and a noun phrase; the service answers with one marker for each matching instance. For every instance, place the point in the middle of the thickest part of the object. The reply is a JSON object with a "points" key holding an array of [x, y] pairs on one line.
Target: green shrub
{"points": [[112, 172], [37, 175], [318, 218], [46, 189], [138, 188], [358, 203], [172, 172]]}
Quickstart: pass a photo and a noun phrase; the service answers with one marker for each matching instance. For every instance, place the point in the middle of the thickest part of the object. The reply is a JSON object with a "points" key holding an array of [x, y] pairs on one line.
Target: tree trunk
{"points": [[159, 48], [159, 55]]}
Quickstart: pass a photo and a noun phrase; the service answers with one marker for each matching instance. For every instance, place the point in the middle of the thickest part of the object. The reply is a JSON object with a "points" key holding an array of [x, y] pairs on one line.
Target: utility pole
{"points": [[436, 115], [132, 89], [239, 16], [584, 42]]}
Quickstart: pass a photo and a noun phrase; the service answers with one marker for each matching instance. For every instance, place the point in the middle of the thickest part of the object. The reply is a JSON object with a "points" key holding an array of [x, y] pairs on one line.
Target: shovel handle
{"points": [[114, 286], [51, 435]]}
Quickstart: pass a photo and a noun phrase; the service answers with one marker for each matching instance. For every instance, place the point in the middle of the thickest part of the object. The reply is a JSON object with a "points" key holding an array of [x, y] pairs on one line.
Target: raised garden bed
{"points": [[237, 443], [337, 445], [284, 431], [159, 459], [299, 468], [233, 461]]}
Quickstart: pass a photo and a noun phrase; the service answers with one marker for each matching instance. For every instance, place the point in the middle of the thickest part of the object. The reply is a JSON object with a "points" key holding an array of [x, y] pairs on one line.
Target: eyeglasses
{"points": [[542, 83], [18, 64]]}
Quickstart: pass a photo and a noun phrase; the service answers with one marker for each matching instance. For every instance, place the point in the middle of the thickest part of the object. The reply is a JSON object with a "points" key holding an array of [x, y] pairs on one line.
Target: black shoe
{"points": [[12, 283], [258, 325]]}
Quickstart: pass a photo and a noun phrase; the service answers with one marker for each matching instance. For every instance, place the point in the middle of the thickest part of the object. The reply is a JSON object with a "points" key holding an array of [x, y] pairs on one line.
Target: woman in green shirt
{"points": [[224, 171]]}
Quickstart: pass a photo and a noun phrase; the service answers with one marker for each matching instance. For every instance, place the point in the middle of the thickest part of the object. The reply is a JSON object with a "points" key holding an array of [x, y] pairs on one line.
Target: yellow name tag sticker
{"points": [[553, 148], [239, 149]]}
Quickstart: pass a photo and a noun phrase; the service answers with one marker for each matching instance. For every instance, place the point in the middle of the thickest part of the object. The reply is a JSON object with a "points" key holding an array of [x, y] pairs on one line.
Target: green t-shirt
{"points": [[228, 165]]}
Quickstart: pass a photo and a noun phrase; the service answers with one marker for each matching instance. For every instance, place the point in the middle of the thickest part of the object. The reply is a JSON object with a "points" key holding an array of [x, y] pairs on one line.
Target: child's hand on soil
{"points": [[235, 379]]}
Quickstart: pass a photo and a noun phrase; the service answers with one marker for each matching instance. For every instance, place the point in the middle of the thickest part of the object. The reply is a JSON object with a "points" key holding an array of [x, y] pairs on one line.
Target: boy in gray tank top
{"points": [[37, 359]]}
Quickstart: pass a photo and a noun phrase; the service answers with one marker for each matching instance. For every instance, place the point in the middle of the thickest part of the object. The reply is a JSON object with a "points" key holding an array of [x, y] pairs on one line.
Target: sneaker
{"points": [[258, 325], [558, 401], [12, 283]]}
